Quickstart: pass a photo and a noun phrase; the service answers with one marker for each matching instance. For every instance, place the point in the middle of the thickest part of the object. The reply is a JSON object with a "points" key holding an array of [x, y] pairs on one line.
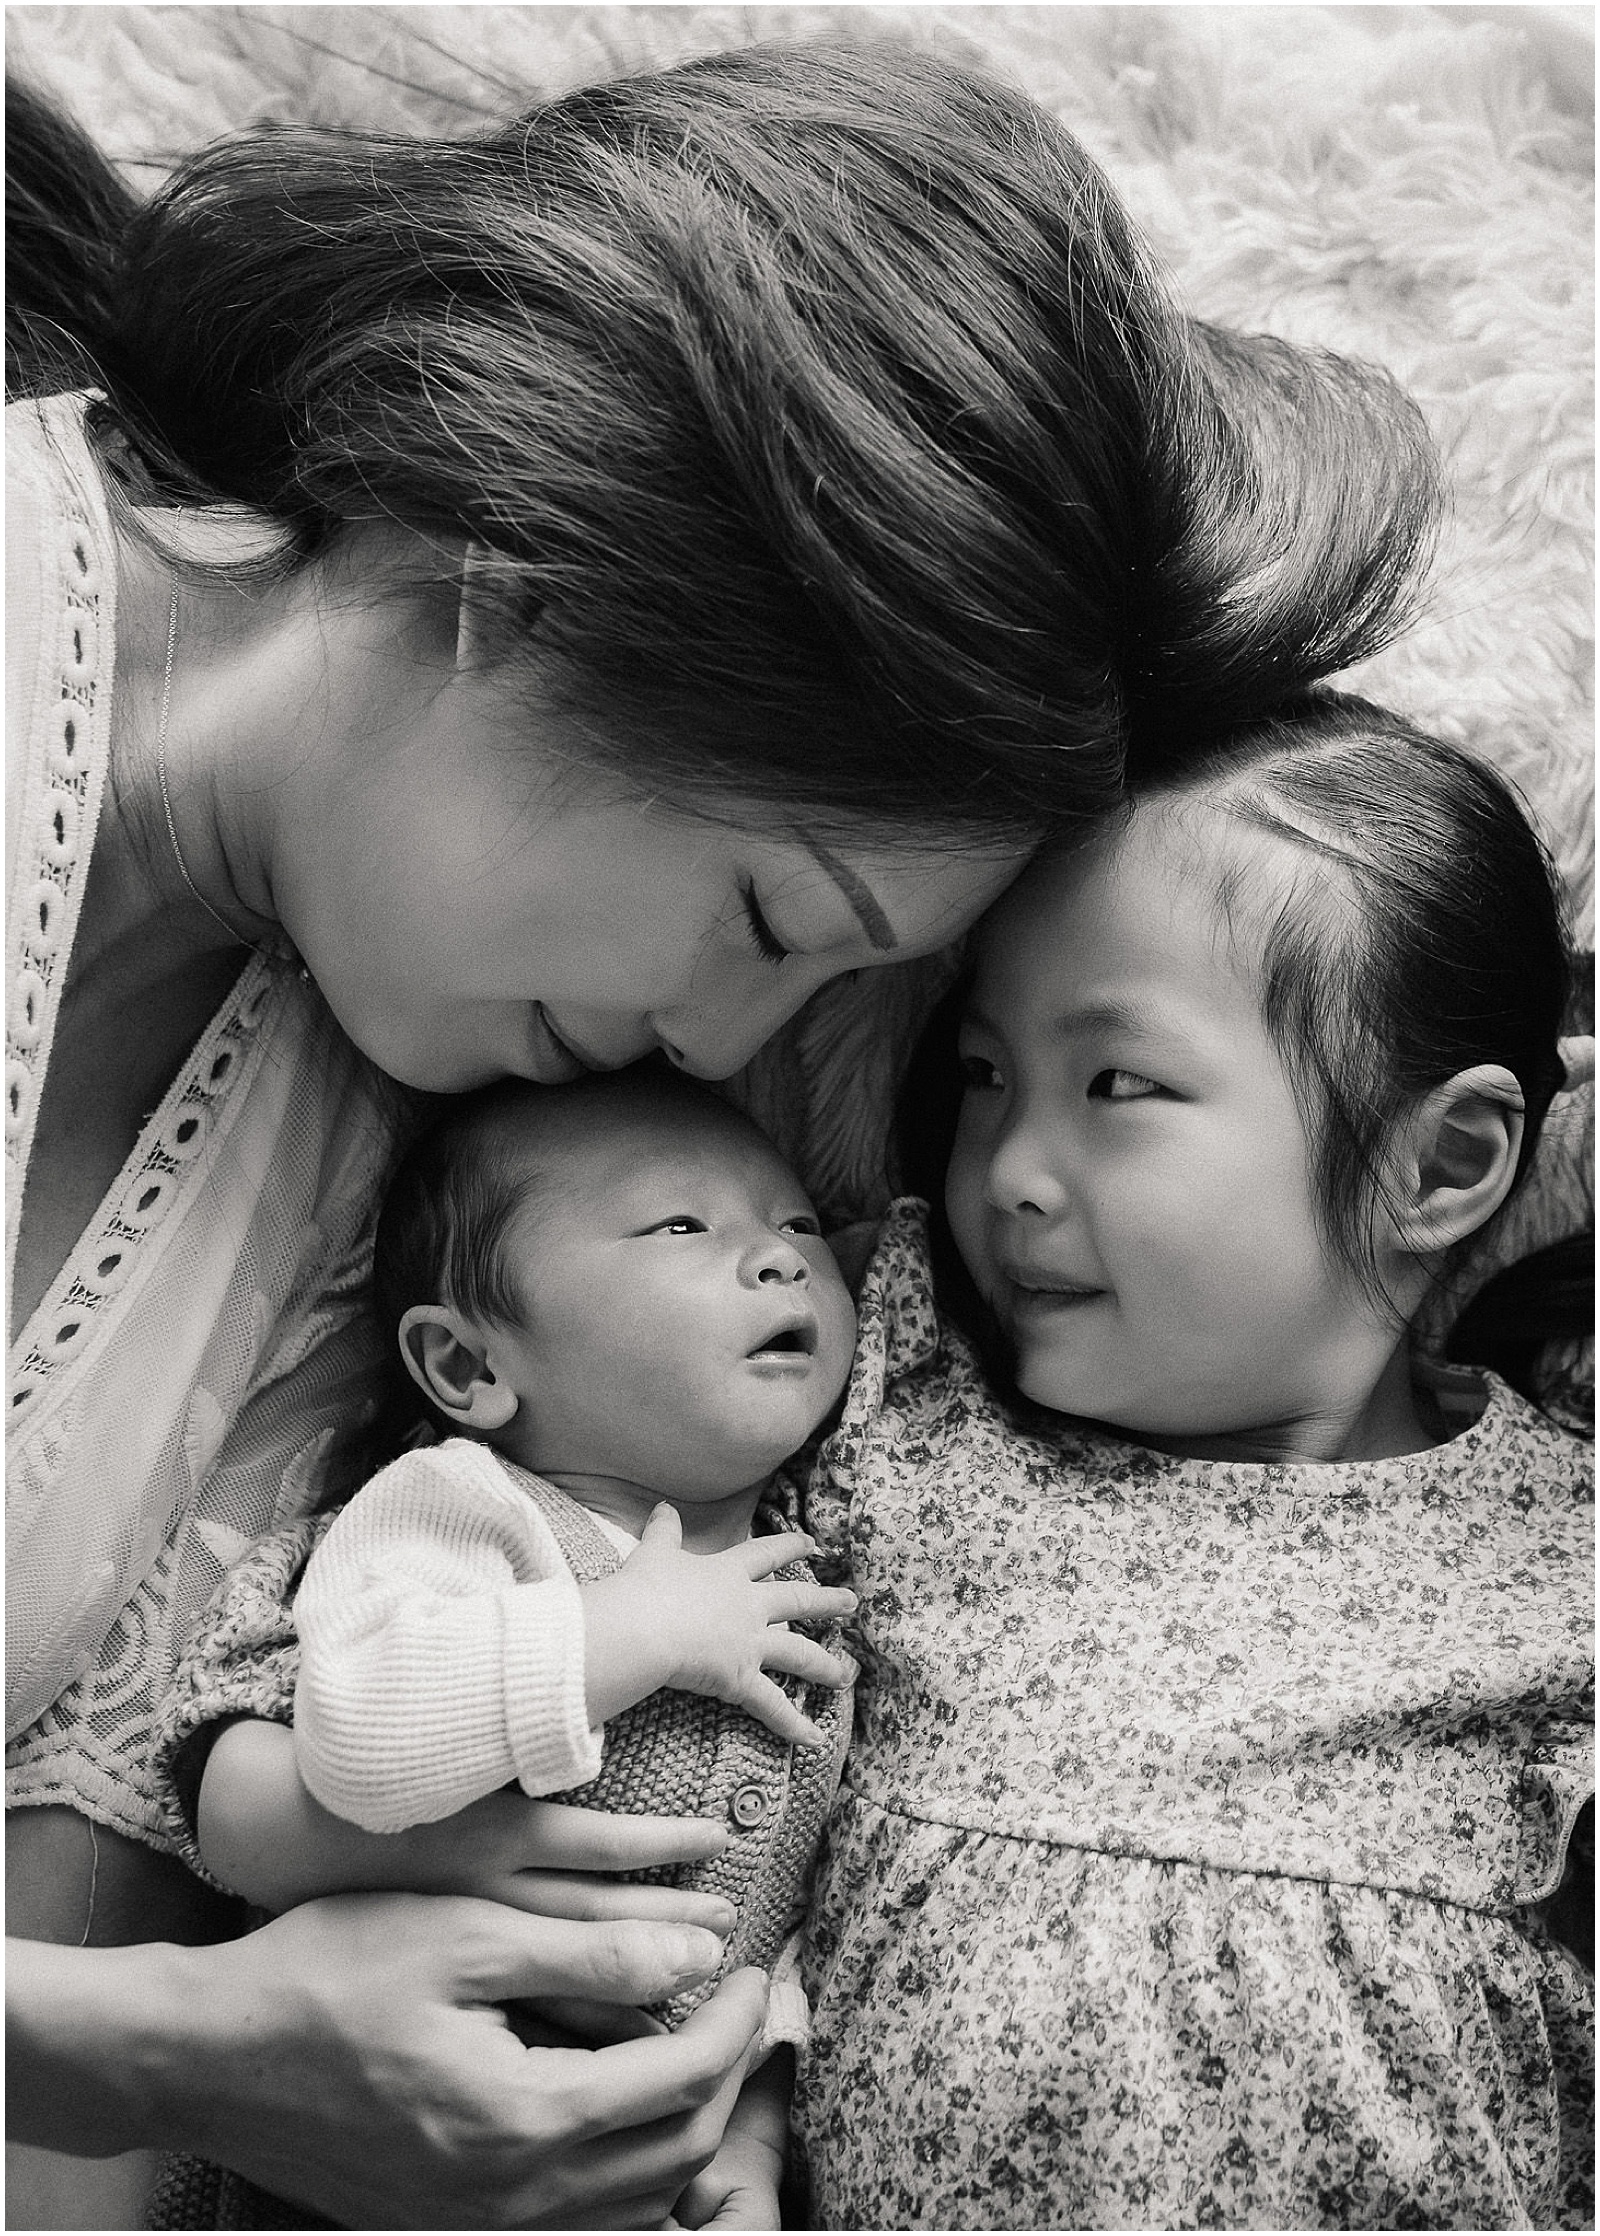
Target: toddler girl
{"points": [[615, 1299], [1225, 1690]]}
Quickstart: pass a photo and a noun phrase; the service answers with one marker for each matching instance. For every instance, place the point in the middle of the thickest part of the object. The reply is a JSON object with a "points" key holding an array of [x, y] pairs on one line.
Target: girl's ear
{"points": [[1576, 1051], [1458, 1158], [448, 1360]]}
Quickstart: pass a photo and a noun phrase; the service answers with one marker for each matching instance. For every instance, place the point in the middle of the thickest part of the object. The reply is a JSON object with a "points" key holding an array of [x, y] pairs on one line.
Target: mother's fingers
{"points": [[631, 2174], [655, 2080], [498, 1955], [563, 1838], [567, 2022], [556, 1894]]}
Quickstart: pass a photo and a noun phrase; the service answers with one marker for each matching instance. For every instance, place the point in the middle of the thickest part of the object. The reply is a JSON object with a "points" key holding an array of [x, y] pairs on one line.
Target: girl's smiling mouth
{"points": [[1034, 1297]]}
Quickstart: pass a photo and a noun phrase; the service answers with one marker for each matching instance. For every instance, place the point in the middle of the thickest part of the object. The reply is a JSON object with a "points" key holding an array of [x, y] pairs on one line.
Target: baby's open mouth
{"points": [[797, 1340]]}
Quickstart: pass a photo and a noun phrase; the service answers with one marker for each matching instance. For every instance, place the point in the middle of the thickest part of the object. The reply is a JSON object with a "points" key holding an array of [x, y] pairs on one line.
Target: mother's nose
{"points": [[712, 1038]]}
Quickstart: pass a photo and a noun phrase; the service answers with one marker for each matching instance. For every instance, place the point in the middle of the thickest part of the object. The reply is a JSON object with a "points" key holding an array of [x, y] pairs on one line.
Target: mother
{"points": [[523, 603]]}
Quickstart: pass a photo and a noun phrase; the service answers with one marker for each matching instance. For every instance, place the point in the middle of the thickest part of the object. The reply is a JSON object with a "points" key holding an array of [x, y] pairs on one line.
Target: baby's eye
{"points": [[684, 1223], [1122, 1086], [978, 1075], [804, 1224]]}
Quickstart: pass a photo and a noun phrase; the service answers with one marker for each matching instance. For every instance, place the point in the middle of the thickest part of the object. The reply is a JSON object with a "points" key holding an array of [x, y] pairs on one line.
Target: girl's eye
{"points": [[684, 1223], [762, 936], [1122, 1086], [978, 1075], [805, 1224]]}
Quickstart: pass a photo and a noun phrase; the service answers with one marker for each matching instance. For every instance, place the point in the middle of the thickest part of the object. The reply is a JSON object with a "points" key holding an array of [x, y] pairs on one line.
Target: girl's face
{"points": [[1130, 1185], [475, 901]]}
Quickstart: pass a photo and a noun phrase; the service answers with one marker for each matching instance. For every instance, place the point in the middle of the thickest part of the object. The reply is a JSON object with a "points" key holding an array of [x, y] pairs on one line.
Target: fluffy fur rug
{"points": [[1410, 184]]}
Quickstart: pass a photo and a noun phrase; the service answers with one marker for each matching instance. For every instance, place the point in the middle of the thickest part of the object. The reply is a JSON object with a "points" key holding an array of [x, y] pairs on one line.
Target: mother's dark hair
{"points": [[826, 430]]}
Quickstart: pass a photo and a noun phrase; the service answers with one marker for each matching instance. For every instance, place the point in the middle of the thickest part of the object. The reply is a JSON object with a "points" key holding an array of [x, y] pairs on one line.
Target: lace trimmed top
{"points": [[183, 1381]]}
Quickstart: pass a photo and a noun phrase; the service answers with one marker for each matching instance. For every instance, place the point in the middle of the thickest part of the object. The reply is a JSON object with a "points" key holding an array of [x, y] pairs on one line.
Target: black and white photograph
{"points": [[800, 1116]]}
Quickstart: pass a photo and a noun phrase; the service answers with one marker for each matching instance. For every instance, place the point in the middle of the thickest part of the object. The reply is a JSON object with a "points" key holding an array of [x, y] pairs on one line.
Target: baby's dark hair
{"points": [[829, 439], [1424, 936], [486, 1157]]}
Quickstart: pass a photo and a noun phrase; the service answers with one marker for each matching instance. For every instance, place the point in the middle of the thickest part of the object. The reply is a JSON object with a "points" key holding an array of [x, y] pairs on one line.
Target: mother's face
{"points": [[474, 902]]}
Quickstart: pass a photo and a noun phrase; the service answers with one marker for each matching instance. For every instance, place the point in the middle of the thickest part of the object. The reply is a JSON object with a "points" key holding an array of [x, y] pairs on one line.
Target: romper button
{"points": [[749, 1806]]}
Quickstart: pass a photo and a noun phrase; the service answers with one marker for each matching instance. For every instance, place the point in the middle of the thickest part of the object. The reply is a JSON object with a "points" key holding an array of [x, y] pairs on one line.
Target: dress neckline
{"points": [[62, 792]]}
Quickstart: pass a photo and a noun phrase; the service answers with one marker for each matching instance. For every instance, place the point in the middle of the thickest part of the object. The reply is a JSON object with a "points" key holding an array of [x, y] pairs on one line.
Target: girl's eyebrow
{"points": [[1114, 1015], [863, 901]]}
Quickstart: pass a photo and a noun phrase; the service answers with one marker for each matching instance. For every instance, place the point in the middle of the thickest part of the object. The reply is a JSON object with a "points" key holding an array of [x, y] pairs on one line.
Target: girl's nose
{"points": [[1024, 1177], [774, 1262]]}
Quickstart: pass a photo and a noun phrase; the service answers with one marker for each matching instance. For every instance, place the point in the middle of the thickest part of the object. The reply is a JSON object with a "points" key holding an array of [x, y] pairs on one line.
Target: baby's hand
{"points": [[709, 1623]]}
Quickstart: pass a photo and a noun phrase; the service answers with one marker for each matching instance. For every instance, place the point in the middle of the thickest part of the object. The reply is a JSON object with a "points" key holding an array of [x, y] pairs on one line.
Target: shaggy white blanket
{"points": [[1410, 184]]}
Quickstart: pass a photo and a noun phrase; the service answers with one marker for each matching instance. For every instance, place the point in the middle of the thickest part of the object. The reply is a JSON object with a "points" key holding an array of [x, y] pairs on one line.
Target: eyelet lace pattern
{"points": [[150, 1191], [61, 813], [52, 859]]}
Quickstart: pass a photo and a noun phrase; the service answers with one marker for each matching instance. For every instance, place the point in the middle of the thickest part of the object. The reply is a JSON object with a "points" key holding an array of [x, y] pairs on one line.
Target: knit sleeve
{"points": [[441, 1648]]}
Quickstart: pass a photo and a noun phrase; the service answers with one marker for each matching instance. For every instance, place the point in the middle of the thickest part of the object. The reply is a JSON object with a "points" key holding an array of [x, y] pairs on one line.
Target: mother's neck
{"points": [[261, 682]]}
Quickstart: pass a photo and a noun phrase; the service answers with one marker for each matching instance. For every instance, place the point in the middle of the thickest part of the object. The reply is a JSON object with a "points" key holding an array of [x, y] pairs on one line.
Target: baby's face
{"points": [[685, 1327], [1130, 1185]]}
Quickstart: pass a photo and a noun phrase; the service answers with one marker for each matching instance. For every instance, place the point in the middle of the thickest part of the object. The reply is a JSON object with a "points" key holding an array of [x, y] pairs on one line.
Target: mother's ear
{"points": [[447, 1358], [1458, 1158], [471, 614]]}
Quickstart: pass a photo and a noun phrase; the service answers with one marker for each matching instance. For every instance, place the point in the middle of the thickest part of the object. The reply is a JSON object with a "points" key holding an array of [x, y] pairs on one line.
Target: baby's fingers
{"points": [[799, 1656], [771, 1706], [759, 1556], [801, 1602]]}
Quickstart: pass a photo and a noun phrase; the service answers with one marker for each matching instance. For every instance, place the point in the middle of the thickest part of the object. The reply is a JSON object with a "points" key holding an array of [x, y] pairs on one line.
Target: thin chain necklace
{"points": [[162, 720]]}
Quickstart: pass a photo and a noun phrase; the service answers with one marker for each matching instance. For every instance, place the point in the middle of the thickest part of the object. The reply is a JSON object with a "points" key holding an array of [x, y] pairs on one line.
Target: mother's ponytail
{"points": [[1294, 498], [67, 213]]}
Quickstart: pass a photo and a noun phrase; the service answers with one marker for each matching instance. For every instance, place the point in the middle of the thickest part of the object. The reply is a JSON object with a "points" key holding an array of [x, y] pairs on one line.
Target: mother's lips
{"points": [[552, 1063]]}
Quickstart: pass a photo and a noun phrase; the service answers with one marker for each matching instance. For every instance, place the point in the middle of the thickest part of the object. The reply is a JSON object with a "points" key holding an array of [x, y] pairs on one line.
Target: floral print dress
{"points": [[1186, 1867]]}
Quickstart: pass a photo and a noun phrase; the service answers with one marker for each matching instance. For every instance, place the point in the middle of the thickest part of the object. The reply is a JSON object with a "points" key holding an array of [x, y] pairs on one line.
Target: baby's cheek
{"points": [[837, 1344]]}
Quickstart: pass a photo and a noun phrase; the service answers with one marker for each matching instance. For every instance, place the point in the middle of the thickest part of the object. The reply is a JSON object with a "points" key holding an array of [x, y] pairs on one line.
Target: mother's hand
{"points": [[352, 2056]]}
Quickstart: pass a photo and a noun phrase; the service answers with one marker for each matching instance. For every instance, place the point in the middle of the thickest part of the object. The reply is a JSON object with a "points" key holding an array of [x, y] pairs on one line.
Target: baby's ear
{"points": [[447, 1358], [1458, 1158]]}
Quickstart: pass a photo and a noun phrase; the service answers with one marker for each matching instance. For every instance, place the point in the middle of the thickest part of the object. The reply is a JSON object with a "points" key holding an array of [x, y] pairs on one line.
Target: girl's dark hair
{"points": [[1425, 936], [1455, 953], [830, 438]]}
